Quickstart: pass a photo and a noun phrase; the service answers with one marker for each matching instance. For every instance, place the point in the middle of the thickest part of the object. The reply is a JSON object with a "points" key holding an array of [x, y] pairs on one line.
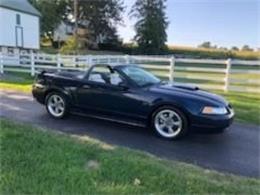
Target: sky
{"points": [[225, 23]]}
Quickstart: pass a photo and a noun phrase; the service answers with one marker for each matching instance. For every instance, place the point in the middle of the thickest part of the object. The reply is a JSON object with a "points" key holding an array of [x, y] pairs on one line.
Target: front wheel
{"points": [[169, 123], [56, 105]]}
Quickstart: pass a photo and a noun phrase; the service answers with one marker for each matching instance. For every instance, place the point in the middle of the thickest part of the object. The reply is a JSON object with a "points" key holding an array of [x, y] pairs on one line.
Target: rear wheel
{"points": [[56, 105], [169, 123]]}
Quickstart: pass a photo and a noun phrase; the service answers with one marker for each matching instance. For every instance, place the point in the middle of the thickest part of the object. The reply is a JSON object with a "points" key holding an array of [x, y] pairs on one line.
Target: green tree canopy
{"points": [[101, 17], [53, 12], [234, 48], [151, 25], [246, 48], [205, 44]]}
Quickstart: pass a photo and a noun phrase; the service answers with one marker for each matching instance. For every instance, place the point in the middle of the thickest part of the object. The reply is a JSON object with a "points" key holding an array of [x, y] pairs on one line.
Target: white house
{"points": [[66, 29], [19, 26], [63, 31]]}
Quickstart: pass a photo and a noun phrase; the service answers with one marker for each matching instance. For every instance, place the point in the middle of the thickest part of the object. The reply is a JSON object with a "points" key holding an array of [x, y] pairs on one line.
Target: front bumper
{"points": [[213, 121]]}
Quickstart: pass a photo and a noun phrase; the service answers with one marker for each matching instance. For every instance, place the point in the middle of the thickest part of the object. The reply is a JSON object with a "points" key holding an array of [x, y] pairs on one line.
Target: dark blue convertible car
{"points": [[131, 95]]}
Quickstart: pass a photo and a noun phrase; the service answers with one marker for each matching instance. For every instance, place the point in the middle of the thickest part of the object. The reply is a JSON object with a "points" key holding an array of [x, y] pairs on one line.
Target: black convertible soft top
{"points": [[70, 74]]}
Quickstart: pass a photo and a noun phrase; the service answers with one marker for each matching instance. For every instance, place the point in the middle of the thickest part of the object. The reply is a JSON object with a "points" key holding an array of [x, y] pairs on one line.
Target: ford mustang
{"points": [[129, 94]]}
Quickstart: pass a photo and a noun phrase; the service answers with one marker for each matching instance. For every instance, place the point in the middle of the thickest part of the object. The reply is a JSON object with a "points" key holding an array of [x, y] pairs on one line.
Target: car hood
{"points": [[188, 91]]}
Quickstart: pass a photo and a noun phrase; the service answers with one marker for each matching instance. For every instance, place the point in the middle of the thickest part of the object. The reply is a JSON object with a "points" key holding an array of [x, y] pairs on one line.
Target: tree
{"points": [[246, 48], [151, 25], [53, 12], [234, 48], [205, 44], [223, 48], [214, 47], [101, 18]]}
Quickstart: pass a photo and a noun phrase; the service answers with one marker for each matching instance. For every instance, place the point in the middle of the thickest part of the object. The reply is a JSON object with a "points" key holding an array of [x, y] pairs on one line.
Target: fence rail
{"points": [[228, 75]]}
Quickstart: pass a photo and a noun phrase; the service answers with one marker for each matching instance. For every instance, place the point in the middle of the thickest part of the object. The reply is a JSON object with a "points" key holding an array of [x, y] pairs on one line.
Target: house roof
{"points": [[20, 5]]}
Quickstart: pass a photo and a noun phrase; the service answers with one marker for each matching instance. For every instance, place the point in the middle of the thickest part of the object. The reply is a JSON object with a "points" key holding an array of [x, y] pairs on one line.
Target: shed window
{"points": [[18, 19]]}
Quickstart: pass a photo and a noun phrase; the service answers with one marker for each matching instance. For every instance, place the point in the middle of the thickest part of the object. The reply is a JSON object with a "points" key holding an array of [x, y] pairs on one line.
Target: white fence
{"points": [[233, 75]]}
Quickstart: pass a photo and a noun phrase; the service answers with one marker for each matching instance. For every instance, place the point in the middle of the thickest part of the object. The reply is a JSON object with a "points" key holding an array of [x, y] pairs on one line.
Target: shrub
{"points": [[70, 46]]}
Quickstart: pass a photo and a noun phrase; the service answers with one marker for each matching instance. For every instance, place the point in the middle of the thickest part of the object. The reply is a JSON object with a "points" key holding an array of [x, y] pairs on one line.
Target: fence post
{"points": [[32, 64], [1, 63], [171, 73], [227, 72], [90, 60], [74, 61], [58, 61], [86, 62], [127, 59]]}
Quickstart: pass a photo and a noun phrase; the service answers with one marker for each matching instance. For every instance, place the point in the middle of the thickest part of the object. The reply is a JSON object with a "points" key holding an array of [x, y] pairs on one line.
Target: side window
{"points": [[115, 79], [18, 19], [102, 74]]}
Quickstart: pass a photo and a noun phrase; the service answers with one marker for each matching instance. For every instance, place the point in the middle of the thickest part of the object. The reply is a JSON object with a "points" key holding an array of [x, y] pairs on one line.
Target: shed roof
{"points": [[20, 5]]}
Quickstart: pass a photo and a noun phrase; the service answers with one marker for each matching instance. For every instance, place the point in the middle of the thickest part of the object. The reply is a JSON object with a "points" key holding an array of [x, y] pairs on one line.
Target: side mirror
{"points": [[123, 86]]}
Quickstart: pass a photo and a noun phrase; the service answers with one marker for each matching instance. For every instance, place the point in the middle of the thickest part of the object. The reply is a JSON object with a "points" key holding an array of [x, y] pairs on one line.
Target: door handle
{"points": [[86, 86]]}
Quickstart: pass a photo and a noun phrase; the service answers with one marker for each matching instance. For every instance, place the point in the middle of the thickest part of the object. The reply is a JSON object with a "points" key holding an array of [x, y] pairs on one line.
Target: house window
{"points": [[10, 51], [18, 19]]}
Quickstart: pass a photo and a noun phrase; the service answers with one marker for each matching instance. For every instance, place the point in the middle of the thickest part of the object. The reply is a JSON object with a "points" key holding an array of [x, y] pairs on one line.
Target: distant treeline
{"points": [[192, 52], [177, 51]]}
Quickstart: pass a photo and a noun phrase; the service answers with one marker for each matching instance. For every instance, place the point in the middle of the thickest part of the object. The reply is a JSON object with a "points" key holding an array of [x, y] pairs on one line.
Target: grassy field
{"points": [[199, 53], [37, 161], [191, 52], [194, 52], [16, 81], [246, 105], [199, 76]]}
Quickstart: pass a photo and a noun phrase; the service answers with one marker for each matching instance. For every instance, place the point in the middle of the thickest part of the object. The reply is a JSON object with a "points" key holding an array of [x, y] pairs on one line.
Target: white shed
{"points": [[19, 25]]}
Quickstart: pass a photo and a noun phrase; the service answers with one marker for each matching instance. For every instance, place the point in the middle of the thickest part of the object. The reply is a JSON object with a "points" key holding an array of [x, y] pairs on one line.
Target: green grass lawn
{"points": [[237, 80], [37, 161], [15, 86], [246, 105], [16, 81]]}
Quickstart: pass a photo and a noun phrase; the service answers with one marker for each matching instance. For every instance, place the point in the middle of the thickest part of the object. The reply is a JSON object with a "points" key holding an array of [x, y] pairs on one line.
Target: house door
{"points": [[19, 36]]}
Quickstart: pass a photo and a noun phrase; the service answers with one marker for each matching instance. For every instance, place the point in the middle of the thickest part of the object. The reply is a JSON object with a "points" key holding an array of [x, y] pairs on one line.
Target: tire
{"points": [[169, 123], [56, 105]]}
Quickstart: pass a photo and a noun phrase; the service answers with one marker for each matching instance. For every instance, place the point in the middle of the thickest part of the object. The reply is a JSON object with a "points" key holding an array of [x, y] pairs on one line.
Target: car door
{"points": [[102, 93]]}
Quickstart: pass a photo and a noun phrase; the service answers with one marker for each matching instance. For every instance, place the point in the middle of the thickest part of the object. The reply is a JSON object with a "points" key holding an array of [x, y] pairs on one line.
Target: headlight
{"points": [[214, 110]]}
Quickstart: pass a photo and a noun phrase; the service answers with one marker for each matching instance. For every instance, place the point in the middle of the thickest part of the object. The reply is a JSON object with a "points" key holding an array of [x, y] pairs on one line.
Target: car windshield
{"points": [[140, 76]]}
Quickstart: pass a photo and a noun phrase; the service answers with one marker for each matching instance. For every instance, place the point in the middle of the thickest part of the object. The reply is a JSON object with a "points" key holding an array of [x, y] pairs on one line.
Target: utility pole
{"points": [[76, 23]]}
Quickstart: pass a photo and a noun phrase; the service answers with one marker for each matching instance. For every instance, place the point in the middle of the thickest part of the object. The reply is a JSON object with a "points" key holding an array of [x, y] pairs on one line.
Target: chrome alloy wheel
{"points": [[168, 123], [56, 105]]}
